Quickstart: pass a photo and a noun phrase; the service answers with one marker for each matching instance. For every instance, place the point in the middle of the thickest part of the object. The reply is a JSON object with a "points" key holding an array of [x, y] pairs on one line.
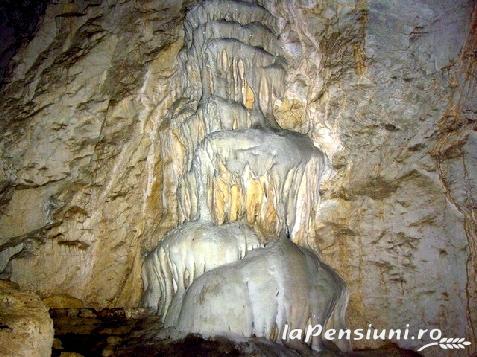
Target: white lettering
{"points": [[313, 331], [296, 334], [329, 334]]}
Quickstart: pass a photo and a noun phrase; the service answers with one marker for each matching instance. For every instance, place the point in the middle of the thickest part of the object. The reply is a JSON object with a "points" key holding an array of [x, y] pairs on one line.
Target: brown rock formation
{"points": [[26, 329], [96, 130]]}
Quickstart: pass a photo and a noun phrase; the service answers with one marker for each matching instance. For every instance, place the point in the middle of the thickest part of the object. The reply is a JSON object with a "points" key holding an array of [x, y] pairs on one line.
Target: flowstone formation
{"points": [[270, 287], [186, 253], [104, 109], [269, 177], [229, 270]]}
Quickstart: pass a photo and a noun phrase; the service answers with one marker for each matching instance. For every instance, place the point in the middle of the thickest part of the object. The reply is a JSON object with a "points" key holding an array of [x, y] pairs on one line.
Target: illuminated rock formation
{"points": [[242, 167], [281, 284], [186, 253], [270, 178]]}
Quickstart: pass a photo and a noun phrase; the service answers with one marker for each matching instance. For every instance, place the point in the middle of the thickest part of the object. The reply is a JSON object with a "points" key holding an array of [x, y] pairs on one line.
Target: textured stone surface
{"points": [[26, 328], [80, 117], [98, 123], [269, 178], [258, 295], [205, 279], [19, 23], [186, 253]]}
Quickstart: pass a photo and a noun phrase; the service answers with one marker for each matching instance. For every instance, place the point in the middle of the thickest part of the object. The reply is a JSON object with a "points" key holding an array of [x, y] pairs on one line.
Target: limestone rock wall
{"points": [[90, 151], [79, 154], [386, 219]]}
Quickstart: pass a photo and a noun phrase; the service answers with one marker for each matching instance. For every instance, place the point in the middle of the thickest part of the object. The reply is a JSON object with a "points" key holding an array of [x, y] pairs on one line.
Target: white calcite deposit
{"points": [[185, 254], [207, 276], [271, 178], [281, 284]]}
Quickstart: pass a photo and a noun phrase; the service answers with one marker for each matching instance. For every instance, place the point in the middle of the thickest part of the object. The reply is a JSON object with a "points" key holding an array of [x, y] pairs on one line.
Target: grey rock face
{"points": [[105, 108], [19, 22]]}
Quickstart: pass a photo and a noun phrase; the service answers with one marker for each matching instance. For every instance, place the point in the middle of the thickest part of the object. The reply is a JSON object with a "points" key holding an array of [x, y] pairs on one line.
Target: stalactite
{"points": [[242, 170], [272, 286], [186, 253]]}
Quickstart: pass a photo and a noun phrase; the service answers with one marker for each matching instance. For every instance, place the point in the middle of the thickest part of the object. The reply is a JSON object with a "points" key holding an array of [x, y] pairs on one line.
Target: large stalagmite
{"points": [[204, 277], [112, 110], [271, 287]]}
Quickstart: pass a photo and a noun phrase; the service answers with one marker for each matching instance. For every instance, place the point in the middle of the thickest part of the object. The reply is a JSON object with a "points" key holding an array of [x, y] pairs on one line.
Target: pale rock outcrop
{"points": [[26, 329]]}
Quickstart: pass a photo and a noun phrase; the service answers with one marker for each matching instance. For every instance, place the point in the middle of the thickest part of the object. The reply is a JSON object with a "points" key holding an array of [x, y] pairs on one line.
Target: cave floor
{"points": [[132, 332]]}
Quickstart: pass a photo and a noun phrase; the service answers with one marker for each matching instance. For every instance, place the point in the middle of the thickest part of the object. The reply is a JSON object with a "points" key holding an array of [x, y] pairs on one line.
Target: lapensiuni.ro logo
{"points": [[371, 333]]}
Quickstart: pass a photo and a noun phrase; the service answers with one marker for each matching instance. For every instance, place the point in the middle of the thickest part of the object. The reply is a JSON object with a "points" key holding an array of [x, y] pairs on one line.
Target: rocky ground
{"points": [[119, 332]]}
